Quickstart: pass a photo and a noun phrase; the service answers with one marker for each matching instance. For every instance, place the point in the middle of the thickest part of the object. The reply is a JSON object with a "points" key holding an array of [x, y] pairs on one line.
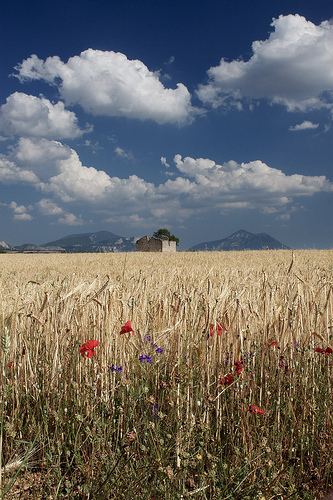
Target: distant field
{"points": [[169, 423]]}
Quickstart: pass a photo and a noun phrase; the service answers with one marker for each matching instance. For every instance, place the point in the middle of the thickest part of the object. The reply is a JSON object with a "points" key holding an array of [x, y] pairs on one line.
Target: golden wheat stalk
{"points": [[21, 460], [5, 340]]}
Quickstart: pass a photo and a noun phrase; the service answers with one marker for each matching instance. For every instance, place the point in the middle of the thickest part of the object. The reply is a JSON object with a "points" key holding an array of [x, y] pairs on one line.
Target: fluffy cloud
{"points": [[107, 83], [10, 173], [292, 67], [48, 207], [164, 161], [70, 220], [254, 183], [20, 211], [304, 126], [123, 154], [30, 116], [201, 186]]}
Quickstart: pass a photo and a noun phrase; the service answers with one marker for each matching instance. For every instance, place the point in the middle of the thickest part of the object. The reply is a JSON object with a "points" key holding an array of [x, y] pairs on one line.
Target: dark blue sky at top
{"points": [[181, 40]]}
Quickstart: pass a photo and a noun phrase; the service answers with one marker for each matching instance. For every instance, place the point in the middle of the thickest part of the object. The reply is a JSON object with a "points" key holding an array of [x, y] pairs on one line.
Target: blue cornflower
{"points": [[145, 358], [147, 338], [116, 368], [159, 350]]}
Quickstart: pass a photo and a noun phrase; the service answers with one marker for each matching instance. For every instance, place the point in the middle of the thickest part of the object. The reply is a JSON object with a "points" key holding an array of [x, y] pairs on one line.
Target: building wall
{"points": [[146, 244], [169, 246]]}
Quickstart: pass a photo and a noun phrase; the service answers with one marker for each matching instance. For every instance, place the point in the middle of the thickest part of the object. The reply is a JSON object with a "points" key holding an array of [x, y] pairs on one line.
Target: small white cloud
{"points": [[304, 126], [20, 211], [70, 220], [123, 154], [48, 207], [283, 217], [109, 84], [23, 217], [292, 67], [164, 161], [31, 116]]}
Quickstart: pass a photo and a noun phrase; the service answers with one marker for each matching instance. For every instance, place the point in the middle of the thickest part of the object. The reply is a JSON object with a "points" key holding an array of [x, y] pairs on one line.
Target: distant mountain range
{"points": [[242, 240], [104, 241]]}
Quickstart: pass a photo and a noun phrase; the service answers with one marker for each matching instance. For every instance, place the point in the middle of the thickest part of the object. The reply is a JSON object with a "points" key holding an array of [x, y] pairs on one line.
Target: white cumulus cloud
{"points": [[20, 211], [127, 155], [70, 219], [292, 67], [48, 207], [304, 126], [164, 161], [10, 173], [234, 185], [202, 186], [31, 116], [107, 83]]}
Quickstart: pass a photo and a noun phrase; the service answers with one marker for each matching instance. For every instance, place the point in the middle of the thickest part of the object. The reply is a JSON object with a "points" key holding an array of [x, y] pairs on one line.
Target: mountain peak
{"points": [[242, 240]]}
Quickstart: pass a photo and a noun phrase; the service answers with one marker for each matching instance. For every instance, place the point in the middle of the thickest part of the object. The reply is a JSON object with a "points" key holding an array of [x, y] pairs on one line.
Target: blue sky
{"points": [[202, 117]]}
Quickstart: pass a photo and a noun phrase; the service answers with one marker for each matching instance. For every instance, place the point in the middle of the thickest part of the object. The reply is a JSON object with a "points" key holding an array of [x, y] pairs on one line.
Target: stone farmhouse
{"points": [[153, 244]]}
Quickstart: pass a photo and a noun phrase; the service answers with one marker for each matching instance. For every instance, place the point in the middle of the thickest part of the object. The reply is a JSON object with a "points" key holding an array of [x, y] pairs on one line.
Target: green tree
{"points": [[165, 232]]}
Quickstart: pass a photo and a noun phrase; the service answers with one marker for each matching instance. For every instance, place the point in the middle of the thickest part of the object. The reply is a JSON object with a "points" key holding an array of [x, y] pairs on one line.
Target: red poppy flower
{"points": [[255, 409], [227, 379], [238, 367], [10, 364], [127, 328], [87, 349], [219, 327], [328, 350], [272, 344]]}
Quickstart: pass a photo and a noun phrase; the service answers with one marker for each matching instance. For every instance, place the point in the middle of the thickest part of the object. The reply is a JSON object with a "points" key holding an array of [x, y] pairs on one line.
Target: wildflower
{"points": [[255, 409], [154, 410], [272, 344], [227, 379], [87, 350], [116, 368], [127, 328], [328, 350], [147, 338], [159, 350], [145, 358], [220, 328], [10, 364], [239, 367]]}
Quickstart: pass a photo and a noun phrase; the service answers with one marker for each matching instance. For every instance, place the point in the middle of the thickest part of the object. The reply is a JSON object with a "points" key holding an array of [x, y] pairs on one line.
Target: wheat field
{"points": [[151, 414]]}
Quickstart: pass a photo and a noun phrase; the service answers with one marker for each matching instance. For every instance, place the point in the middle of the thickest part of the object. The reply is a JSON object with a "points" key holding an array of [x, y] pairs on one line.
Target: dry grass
{"points": [[52, 304]]}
